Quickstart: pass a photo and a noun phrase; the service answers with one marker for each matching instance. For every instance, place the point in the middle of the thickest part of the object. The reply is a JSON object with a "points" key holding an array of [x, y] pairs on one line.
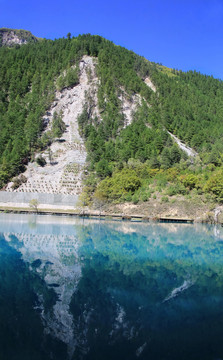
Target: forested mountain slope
{"points": [[119, 143]]}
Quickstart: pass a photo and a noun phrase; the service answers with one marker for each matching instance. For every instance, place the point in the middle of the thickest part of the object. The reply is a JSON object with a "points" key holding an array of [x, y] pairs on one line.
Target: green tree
{"points": [[215, 185], [34, 204], [58, 125], [165, 159]]}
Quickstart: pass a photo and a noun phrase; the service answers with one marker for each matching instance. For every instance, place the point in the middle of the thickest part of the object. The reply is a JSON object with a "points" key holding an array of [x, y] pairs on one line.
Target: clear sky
{"points": [[182, 34]]}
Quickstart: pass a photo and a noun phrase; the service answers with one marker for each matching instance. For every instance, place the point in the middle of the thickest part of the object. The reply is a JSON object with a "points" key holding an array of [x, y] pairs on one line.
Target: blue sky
{"points": [[182, 34]]}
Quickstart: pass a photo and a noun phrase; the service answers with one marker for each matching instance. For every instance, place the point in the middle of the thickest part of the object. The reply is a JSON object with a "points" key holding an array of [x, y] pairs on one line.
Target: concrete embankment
{"points": [[45, 201]]}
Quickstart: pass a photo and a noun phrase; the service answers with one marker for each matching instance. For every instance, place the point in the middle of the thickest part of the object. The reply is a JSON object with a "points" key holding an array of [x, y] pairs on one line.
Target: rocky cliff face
{"points": [[11, 37]]}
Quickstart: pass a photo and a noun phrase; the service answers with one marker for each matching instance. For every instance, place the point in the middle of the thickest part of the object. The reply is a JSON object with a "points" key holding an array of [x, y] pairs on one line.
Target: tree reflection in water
{"points": [[84, 289]]}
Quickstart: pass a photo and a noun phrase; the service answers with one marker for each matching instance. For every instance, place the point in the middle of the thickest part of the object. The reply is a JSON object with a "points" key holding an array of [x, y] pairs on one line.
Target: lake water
{"points": [[87, 289]]}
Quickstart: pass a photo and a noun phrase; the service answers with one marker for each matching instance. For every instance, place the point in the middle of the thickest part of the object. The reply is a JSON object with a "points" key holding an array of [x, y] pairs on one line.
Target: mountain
{"points": [[84, 111], [12, 37]]}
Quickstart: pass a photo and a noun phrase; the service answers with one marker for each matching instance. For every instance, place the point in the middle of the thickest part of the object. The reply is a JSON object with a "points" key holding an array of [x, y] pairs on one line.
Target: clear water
{"points": [[84, 289]]}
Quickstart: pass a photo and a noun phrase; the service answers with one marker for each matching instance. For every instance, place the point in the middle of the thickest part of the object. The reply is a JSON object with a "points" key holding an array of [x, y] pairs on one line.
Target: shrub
{"points": [[45, 140], [121, 183], [181, 189], [171, 174], [41, 161], [135, 198], [145, 196], [161, 179], [128, 196], [172, 190], [16, 183], [215, 185], [23, 178], [190, 181], [153, 172]]}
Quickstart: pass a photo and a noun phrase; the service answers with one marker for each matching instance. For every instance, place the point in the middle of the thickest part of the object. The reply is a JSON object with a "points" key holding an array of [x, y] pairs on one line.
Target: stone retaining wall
{"points": [[50, 199]]}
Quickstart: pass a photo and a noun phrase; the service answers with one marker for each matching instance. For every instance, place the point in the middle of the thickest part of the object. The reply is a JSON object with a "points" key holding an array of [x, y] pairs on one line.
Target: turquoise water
{"points": [[84, 289]]}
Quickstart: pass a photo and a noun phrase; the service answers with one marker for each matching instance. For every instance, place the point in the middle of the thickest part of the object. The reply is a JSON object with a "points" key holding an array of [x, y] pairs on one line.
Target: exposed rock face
{"points": [[66, 157], [129, 105], [11, 37], [149, 83], [190, 152]]}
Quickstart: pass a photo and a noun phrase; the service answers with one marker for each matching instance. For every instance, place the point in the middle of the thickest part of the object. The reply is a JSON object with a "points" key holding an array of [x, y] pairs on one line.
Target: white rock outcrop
{"points": [[11, 37], [129, 105], [149, 83], [66, 157], [189, 151]]}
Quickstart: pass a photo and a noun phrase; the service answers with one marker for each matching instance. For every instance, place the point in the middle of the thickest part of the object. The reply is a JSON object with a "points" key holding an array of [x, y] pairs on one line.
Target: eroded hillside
{"points": [[66, 157]]}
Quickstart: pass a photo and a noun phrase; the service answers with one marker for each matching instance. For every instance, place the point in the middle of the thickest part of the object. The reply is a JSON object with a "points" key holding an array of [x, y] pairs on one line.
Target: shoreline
{"points": [[181, 210], [103, 215]]}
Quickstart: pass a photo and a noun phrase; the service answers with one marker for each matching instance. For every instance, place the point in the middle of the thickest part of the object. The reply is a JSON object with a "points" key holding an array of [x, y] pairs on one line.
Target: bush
{"points": [[121, 183], [172, 190], [23, 178], [41, 161], [135, 198], [171, 174], [16, 183], [215, 185], [190, 181], [145, 196], [45, 140], [128, 196], [182, 190], [161, 179], [18, 180]]}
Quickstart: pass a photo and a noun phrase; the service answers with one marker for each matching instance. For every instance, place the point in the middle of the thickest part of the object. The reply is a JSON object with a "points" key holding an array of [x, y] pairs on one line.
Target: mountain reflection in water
{"points": [[82, 289]]}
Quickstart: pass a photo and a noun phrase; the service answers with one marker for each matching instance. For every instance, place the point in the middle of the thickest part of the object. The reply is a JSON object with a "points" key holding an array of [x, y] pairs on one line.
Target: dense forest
{"points": [[189, 105]]}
